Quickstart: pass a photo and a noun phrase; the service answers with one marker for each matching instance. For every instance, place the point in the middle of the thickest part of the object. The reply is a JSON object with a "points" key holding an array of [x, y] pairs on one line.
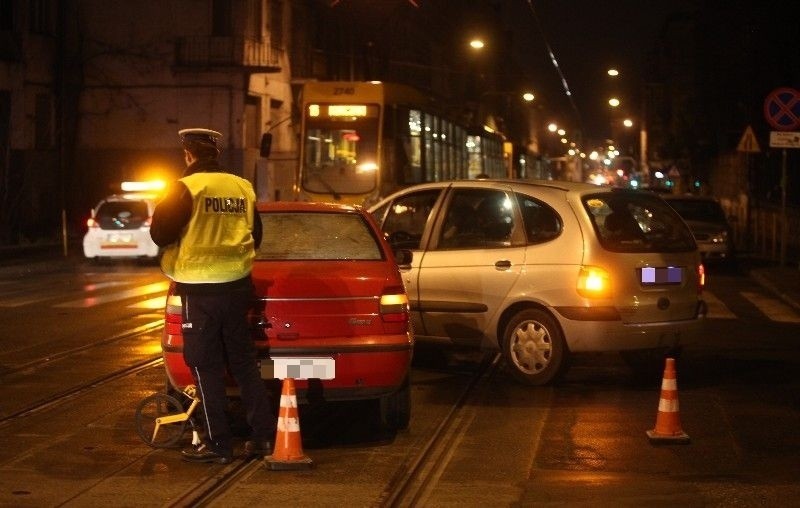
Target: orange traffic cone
{"points": [[288, 451], [668, 422]]}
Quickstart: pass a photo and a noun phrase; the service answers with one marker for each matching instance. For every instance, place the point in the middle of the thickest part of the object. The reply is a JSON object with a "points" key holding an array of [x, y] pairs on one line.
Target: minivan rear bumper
{"points": [[616, 335]]}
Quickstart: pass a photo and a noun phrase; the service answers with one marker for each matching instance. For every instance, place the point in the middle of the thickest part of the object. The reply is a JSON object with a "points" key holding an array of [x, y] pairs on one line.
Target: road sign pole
{"points": [[784, 219], [748, 225]]}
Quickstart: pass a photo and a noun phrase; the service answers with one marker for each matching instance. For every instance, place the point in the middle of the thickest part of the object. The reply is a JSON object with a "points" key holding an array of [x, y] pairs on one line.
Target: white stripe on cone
{"points": [[288, 424], [288, 401], [668, 406]]}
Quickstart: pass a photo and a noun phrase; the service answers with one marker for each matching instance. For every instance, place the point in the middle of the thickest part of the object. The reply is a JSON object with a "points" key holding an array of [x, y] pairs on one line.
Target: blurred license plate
{"points": [[651, 276], [298, 368], [118, 240]]}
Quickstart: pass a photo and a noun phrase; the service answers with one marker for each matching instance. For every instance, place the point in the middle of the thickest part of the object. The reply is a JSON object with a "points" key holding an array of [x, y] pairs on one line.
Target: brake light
{"points": [[173, 316], [91, 223], [148, 221], [394, 305], [701, 278], [594, 282]]}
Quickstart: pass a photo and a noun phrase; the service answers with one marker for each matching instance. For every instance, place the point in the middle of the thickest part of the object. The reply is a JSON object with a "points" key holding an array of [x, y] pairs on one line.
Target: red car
{"points": [[330, 311]]}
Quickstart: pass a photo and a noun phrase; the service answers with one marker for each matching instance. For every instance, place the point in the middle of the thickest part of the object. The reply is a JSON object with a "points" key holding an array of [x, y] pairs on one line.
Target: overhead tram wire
{"points": [[552, 56]]}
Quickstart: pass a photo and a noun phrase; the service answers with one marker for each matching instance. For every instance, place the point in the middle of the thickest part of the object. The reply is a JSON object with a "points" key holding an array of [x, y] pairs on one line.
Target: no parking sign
{"points": [[782, 109]]}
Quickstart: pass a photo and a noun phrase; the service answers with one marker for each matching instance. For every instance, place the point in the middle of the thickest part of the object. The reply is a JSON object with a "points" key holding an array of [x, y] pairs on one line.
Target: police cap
{"points": [[194, 137]]}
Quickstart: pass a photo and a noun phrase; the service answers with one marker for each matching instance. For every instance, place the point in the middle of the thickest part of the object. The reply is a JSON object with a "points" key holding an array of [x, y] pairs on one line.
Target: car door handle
{"points": [[503, 264]]}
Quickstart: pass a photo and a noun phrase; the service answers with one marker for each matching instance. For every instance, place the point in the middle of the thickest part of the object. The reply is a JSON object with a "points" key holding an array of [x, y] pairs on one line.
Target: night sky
{"points": [[740, 51], [588, 37]]}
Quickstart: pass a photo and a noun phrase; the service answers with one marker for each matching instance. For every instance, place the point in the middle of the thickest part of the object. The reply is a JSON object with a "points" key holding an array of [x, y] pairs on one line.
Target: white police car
{"points": [[119, 227]]}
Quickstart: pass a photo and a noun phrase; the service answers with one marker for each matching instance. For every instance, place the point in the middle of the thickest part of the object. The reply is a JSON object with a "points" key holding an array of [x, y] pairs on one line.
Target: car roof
{"points": [[580, 188], [689, 197], [305, 206], [131, 196]]}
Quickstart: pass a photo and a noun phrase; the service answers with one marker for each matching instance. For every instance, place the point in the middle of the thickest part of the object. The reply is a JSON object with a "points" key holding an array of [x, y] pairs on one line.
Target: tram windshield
{"points": [[340, 153]]}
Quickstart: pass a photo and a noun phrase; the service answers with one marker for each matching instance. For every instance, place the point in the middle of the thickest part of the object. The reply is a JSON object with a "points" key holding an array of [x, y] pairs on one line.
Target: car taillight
{"points": [[147, 222], [173, 314], [91, 223], [594, 282], [394, 305], [701, 278]]}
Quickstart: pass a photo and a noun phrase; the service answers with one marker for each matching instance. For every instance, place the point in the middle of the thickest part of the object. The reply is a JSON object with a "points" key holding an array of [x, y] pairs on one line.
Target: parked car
{"points": [[331, 309], [541, 270], [708, 223]]}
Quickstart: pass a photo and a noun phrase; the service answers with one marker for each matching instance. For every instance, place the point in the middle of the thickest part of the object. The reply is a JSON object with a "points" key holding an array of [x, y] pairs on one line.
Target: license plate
{"points": [[652, 276], [298, 368], [119, 240]]}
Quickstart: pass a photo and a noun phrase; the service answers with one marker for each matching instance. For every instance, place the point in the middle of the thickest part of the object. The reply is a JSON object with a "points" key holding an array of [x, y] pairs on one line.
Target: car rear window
{"points": [[637, 222], [122, 214], [317, 236]]}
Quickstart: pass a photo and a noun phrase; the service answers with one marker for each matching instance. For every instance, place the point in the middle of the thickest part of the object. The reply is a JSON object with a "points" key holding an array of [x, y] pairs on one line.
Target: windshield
{"points": [[340, 155]]}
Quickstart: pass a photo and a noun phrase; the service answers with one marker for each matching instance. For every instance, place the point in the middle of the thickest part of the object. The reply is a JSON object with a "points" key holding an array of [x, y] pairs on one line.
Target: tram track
{"points": [[413, 478], [417, 476], [65, 396], [57, 398], [47, 360]]}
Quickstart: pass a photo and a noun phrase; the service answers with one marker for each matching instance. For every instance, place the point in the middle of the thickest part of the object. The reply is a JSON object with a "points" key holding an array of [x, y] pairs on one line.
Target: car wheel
{"points": [[395, 409], [534, 348]]}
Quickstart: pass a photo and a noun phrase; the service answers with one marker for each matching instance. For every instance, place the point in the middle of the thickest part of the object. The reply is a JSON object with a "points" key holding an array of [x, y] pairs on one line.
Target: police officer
{"points": [[209, 228]]}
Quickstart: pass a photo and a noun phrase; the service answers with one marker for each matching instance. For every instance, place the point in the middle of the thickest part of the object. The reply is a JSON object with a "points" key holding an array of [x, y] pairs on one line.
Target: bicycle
{"points": [[161, 418]]}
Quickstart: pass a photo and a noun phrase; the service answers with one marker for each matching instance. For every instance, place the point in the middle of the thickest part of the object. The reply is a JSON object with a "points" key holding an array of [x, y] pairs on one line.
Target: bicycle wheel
{"points": [[156, 406]]}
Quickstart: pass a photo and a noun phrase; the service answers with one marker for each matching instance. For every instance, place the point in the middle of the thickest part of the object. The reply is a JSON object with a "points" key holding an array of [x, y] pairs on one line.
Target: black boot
{"points": [[204, 453]]}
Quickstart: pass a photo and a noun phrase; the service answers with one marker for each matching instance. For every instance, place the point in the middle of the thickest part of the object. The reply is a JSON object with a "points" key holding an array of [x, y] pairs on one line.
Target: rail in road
{"points": [[65, 387], [738, 401], [408, 485], [405, 485]]}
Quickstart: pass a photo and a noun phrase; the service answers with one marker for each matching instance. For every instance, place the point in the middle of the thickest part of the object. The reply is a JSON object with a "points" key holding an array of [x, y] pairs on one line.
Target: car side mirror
{"points": [[403, 257], [266, 144]]}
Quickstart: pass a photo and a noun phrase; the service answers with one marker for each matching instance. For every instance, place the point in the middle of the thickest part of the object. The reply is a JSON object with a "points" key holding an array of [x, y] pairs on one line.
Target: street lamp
{"points": [[476, 44], [613, 102]]}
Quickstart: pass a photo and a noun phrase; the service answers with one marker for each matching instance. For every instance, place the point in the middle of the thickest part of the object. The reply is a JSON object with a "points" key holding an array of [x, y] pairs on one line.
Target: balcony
{"points": [[215, 53]]}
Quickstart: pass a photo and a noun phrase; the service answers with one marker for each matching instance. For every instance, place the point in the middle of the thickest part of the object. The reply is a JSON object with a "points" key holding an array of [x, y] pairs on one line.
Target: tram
{"points": [[361, 141]]}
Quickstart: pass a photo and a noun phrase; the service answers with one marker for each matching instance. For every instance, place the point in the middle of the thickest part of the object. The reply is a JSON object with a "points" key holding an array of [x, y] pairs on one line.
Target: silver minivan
{"points": [[540, 270]]}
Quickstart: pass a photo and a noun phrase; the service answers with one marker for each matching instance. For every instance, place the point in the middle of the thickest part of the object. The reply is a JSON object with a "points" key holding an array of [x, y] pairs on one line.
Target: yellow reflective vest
{"points": [[217, 244]]}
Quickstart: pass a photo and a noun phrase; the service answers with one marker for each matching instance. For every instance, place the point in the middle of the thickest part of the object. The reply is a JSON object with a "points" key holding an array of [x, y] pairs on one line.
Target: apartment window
{"points": [[6, 14], [252, 122], [41, 16], [44, 122], [254, 21], [276, 23], [221, 19]]}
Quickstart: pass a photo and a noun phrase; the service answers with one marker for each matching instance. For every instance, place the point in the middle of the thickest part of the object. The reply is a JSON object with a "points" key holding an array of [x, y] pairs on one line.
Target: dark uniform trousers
{"points": [[216, 332]]}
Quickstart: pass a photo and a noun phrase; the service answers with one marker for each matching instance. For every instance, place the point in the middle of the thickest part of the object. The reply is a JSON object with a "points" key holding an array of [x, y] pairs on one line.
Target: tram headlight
{"points": [[366, 167]]}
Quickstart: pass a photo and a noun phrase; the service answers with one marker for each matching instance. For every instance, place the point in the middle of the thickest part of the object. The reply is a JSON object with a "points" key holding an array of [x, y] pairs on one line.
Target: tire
{"points": [[534, 348], [153, 407], [395, 409]]}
